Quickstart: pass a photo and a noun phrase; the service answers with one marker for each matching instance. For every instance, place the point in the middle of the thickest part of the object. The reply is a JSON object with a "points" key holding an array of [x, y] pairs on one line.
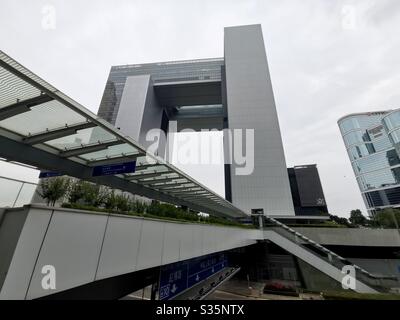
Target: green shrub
{"points": [[386, 218], [76, 192], [53, 189], [156, 211], [110, 201], [93, 194], [137, 206], [122, 203], [87, 193]]}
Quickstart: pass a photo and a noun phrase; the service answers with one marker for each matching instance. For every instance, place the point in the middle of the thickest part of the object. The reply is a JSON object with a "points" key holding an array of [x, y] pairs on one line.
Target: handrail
{"points": [[331, 256]]}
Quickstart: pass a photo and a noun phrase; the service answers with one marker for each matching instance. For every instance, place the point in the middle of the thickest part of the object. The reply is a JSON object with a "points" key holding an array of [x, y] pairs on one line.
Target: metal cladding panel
{"points": [[172, 238], [121, 243], [85, 247], [222, 239], [139, 111], [133, 105], [197, 232], [187, 244], [209, 241], [151, 244], [72, 245], [11, 225], [22, 265], [251, 105]]}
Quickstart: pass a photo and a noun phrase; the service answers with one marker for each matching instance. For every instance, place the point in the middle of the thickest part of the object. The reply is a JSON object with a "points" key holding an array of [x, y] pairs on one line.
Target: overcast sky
{"points": [[327, 58]]}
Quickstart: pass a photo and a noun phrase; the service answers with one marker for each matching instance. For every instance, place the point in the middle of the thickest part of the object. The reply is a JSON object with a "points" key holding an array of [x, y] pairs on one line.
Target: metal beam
{"points": [[114, 160], [18, 151], [57, 133], [202, 196], [170, 186], [173, 183], [182, 192], [200, 193], [15, 151], [155, 181], [23, 106], [186, 197], [191, 197], [142, 167], [182, 188], [89, 149], [145, 175]]}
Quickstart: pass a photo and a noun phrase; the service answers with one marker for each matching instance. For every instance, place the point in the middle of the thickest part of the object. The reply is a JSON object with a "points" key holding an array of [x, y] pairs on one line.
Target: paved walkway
{"points": [[237, 289]]}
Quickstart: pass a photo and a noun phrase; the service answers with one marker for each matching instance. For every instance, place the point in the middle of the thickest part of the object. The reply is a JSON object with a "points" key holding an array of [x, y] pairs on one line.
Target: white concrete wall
{"points": [[84, 247], [353, 236]]}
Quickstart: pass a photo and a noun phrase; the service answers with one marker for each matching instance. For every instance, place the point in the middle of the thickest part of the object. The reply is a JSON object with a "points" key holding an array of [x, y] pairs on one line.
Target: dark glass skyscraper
{"points": [[307, 193]]}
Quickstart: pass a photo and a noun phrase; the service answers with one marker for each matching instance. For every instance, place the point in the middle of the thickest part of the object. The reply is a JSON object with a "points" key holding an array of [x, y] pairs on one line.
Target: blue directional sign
{"points": [[113, 169], [49, 174], [173, 280], [177, 277]]}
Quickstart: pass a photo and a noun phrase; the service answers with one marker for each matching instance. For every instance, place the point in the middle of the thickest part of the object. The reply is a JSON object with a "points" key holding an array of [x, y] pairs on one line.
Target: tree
{"points": [[53, 189], [93, 194], [340, 220], [387, 218], [88, 193], [357, 218], [76, 192]]}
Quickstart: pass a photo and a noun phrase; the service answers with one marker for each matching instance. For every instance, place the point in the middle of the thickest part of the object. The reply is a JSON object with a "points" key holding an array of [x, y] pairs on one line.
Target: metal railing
{"points": [[381, 283], [15, 193]]}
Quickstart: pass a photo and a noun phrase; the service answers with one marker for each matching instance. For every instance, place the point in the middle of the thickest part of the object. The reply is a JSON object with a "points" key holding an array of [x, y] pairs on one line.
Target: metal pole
{"points": [[154, 289], [260, 221]]}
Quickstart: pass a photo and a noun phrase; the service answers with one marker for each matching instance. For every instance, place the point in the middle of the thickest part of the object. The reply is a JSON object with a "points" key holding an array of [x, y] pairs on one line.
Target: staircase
{"points": [[324, 259]]}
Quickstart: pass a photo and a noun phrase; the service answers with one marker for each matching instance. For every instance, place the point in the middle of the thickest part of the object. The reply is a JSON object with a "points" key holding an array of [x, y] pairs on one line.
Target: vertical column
{"points": [[251, 105], [139, 110]]}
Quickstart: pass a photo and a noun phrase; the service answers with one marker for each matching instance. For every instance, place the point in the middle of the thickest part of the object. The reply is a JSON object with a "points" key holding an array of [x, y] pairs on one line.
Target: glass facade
{"points": [[372, 141], [190, 70]]}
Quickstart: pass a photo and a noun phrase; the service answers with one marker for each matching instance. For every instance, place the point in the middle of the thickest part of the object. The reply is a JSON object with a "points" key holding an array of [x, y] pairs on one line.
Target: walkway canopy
{"points": [[42, 127]]}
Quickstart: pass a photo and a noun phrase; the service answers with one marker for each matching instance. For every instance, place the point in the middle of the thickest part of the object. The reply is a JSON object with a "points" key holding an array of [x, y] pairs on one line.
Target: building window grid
{"points": [[377, 171]]}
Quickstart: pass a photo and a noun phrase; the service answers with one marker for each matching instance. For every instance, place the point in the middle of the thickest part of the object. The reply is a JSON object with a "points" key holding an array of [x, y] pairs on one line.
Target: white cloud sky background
{"points": [[327, 58]]}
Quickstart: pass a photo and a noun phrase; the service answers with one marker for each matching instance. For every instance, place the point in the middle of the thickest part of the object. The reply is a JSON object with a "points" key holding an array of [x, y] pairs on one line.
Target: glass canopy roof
{"points": [[48, 130]]}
